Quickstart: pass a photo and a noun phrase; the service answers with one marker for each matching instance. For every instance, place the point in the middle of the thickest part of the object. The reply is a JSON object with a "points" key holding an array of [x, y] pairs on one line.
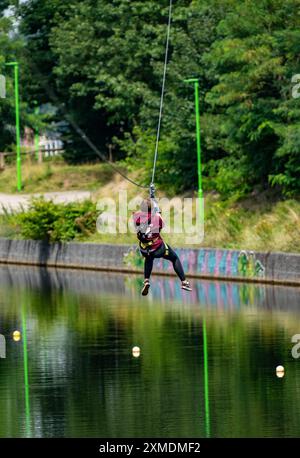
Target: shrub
{"points": [[52, 222]]}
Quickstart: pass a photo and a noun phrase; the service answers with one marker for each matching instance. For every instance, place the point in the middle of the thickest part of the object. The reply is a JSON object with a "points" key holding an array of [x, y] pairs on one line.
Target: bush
{"points": [[228, 176], [52, 222]]}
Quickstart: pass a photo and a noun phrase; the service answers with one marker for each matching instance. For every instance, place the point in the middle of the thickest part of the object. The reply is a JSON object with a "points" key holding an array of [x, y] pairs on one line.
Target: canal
{"points": [[206, 366]]}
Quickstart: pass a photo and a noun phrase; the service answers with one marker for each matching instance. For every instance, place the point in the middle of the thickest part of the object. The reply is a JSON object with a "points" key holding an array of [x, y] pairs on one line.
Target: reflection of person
{"points": [[148, 225]]}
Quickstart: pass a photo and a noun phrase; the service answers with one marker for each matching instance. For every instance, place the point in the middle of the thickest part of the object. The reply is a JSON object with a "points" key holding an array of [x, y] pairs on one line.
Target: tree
{"points": [[253, 60], [110, 58], [10, 49], [101, 62]]}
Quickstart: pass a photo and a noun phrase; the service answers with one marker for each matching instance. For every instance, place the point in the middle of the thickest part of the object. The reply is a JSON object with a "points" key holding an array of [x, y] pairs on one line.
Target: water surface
{"points": [[206, 368]]}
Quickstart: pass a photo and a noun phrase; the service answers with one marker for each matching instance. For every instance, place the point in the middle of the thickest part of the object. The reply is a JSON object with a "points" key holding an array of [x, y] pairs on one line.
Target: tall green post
{"points": [[195, 81], [18, 136]]}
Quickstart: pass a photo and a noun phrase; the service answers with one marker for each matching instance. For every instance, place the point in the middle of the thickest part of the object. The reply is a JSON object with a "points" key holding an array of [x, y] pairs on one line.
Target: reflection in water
{"points": [[26, 380], [206, 392], [206, 367]]}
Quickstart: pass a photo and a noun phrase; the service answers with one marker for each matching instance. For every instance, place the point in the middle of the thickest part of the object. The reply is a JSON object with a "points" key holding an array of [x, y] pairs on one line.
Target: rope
{"points": [[162, 93], [95, 149]]}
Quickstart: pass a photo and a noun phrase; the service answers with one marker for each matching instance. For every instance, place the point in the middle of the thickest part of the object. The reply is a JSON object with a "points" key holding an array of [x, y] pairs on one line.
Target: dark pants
{"points": [[161, 253]]}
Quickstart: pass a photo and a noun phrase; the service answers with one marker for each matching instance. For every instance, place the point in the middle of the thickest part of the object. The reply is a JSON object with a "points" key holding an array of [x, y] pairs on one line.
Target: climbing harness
{"points": [[167, 249], [146, 245]]}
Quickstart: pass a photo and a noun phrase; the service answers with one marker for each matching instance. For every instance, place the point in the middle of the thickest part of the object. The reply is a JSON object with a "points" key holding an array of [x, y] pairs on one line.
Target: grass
{"points": [[55, 176], [260, 222], [270, 227], [264, 226]]}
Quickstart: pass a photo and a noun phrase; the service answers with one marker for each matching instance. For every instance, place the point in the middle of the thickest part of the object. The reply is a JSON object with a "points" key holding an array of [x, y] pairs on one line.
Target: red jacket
{"points": [[150, 226]]}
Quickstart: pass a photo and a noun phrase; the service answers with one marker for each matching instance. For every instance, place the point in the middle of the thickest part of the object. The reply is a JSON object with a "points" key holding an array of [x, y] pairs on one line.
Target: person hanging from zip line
{"points": [[148, 224]]}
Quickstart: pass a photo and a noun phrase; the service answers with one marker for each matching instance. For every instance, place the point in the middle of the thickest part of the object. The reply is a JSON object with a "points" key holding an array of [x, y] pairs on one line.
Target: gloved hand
{"points": [[156, 208]]}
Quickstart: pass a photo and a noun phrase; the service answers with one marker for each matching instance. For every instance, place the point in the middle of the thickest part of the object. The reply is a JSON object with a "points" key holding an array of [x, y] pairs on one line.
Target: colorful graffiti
{"points": [[205, 261], [249, 265]]}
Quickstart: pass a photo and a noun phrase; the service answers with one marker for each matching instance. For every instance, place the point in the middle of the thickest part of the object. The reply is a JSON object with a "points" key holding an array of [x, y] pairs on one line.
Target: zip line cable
{"points": [[95, 149], [162, 96]]}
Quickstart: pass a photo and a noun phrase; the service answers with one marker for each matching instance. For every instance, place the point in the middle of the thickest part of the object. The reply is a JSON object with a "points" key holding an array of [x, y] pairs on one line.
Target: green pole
{"points": [[206, 389], [195, 81], [18, 136]]}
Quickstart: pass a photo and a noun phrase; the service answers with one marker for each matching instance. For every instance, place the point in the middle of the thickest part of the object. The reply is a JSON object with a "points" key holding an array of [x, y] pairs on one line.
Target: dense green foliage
{"points": [[100, 63], [52, 222], [13, 48], [8, 49]]}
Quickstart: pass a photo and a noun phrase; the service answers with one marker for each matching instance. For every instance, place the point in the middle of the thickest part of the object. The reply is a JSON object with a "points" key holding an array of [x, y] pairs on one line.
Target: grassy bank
{"points": [[259, 222], [55, 176], [263, 226]]}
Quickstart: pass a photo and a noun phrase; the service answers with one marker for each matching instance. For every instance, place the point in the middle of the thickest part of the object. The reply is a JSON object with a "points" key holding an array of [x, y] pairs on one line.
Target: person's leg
{"points": [[172, 256], [148, 266]]}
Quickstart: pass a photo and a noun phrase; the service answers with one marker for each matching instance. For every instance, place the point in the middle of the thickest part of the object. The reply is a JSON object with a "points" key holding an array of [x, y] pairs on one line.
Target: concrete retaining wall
{"points": [[203, 263]]}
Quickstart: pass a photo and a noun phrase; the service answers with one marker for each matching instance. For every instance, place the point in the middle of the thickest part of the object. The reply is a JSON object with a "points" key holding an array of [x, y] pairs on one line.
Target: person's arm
{"points": [[136, 221], [161, 223], [158, 224]]}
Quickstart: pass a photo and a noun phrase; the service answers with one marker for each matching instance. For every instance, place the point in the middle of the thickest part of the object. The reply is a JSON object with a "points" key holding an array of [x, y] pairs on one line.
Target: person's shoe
{"points": [[145, 288], [186, 285]]}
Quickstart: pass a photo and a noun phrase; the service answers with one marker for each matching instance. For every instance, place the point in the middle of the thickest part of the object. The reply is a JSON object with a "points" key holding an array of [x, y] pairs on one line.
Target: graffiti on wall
{"points": [[211, 262], [249, 265]]}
